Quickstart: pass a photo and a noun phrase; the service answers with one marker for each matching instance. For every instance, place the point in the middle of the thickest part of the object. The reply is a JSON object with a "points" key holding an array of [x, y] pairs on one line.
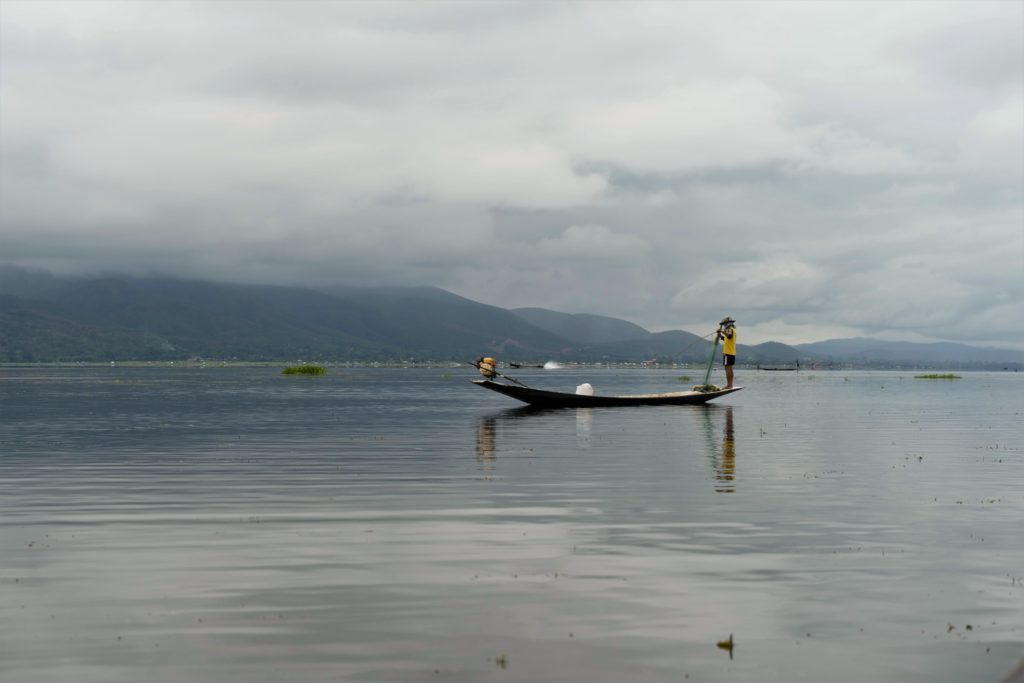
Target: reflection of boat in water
{"points": [[490, 426], [558, 399], [486, 439], [511, 425]]}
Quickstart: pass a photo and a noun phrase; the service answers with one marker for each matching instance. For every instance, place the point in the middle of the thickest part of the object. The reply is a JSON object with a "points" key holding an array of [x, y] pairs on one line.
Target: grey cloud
{"points": [[981, 51]]}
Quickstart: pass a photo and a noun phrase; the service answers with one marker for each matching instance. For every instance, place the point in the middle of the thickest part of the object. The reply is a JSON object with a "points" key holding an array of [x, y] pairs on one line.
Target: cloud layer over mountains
{"points": [[812, 169]]}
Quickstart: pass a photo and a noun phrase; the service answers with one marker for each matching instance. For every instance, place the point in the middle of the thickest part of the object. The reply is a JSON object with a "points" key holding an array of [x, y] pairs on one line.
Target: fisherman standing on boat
{"points": [[727, 333]]}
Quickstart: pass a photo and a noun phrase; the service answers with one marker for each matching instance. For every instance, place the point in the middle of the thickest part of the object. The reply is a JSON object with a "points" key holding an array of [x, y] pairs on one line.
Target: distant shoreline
{"points": [[564, 365]]}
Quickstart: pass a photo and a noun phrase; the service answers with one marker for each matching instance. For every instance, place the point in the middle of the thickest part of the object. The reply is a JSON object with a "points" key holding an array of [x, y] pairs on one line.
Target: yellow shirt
{"points": [[729, 343]]}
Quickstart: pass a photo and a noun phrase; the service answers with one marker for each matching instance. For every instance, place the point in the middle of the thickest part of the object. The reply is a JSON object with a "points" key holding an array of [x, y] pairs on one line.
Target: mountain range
{"points": [[44, 318]]}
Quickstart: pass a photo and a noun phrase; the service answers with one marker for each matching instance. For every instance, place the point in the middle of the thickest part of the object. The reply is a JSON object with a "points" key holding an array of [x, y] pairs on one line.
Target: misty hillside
{"points": [[430, 321], [868, 351], [46, 319], [774, 352], [674, 345], [581, 328]]}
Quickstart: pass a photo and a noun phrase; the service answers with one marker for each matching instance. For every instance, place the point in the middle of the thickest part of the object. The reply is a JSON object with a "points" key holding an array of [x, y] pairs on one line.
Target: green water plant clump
{"points": [[304, 370], [948, 375]]}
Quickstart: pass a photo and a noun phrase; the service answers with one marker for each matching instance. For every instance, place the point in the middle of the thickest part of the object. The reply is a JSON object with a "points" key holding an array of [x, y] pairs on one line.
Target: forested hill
{"points": [[126, 318]]}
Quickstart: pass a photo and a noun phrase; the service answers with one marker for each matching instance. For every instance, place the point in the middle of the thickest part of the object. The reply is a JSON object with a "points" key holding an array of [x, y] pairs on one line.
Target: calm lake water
{"points": [[234, 524]]}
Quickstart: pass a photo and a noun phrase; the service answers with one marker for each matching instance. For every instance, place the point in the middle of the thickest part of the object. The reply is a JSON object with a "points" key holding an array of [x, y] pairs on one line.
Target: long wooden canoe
{"points": [[558, 399]]}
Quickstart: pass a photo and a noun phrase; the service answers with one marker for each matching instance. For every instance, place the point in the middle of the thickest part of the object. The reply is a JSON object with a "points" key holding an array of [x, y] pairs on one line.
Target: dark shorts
{"points": [[728, 360]]}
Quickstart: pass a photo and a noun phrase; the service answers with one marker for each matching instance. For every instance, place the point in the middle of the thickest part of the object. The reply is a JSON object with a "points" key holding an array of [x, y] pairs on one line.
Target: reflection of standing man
{"points": [[727, 333], [727, 472]]}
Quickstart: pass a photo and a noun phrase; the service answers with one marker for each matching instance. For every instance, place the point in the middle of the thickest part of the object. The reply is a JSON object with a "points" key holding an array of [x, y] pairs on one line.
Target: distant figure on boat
{"points": [[727, 333]]}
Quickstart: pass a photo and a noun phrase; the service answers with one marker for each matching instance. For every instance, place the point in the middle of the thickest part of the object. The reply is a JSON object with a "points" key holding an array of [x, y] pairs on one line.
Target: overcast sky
{"points": [[813, 169]]}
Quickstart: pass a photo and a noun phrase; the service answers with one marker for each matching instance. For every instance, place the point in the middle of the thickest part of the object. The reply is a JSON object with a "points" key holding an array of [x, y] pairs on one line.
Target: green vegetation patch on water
{"points": [[304, 370], [948, 375]]}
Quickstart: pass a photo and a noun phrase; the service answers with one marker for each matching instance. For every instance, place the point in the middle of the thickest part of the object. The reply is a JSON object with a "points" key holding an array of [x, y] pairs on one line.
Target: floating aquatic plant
{"points": [[304, 370], [948, 375]]}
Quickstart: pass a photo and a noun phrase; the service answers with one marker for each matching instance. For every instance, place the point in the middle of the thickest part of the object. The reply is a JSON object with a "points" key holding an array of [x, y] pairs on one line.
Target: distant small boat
{"points": [[558, 399], [780, 368]]}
